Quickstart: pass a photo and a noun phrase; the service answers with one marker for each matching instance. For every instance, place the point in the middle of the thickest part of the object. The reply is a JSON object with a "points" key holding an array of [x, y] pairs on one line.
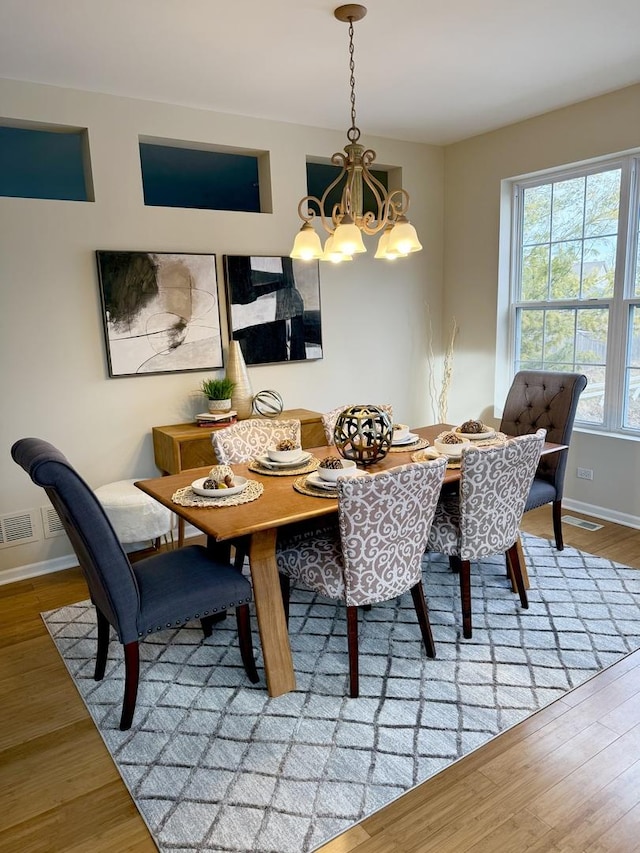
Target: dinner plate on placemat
{"points": [[415, 444], [240, 484], [410, 438], [271, 469], [431, 453], [266, 462]]}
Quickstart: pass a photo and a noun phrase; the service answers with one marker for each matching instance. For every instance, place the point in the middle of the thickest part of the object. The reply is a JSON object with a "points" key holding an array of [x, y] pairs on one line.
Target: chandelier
{"points": [[348, 221]]}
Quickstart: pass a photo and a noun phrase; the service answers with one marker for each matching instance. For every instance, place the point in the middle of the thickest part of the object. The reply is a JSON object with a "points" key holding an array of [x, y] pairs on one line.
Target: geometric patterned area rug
{"points": [[214, 764]]}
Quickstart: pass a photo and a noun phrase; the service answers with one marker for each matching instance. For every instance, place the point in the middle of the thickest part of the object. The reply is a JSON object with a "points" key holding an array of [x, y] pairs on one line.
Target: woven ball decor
{"points": [[268, 403], [363, 434]]}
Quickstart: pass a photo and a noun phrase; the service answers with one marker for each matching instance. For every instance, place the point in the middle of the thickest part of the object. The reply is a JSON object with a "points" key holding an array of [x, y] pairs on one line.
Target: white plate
{"points": [[296, 463], [409, 439], [314, 479], [240, 484], [476, 436]]}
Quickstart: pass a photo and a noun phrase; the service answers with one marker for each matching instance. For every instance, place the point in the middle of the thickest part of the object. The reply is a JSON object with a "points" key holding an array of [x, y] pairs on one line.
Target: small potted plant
{"points": [[219, 393]]}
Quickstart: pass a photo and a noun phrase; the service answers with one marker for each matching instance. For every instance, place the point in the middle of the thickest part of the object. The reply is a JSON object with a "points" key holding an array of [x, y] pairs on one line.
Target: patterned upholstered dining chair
{"points": [[155, 594], [548, 400], [329, 418], [243, 441], [376, 551], [483, 517]]}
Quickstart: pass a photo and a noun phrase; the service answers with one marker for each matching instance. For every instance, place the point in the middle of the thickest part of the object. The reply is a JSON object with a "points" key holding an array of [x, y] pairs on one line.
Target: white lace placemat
{"points": [[187, 497]]}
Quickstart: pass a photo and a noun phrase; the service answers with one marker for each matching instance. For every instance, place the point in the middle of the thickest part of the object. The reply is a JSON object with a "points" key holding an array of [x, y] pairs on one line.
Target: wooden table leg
{"points": [[274, 638]]}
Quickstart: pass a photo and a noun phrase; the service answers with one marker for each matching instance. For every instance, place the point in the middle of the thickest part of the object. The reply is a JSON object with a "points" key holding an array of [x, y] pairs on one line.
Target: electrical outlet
{"points": [[584, 474]]}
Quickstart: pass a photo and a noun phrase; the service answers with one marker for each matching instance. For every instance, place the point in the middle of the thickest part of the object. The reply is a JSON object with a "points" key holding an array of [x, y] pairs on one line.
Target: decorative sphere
{"points": [[363, 434], [268, 403]]}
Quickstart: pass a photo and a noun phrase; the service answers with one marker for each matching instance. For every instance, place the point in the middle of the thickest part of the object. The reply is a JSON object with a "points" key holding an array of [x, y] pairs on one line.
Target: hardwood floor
{"points": [[566, 779]]}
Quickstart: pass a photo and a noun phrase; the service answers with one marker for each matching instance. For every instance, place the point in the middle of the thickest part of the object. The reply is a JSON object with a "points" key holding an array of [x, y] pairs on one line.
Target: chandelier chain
{"points": [[353, 134]]}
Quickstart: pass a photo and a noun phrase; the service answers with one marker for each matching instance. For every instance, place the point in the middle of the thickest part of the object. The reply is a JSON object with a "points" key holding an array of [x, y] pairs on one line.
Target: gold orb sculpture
{"points": [[363, 433]]}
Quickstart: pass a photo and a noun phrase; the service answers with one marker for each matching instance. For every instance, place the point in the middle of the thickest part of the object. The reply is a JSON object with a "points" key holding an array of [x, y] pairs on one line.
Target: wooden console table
{"points": [[181, 446]]}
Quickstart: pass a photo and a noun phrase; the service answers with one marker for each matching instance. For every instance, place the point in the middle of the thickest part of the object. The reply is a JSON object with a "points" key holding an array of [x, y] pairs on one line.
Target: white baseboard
{"points": [[600, 512], [59, 564], [33, 570]]}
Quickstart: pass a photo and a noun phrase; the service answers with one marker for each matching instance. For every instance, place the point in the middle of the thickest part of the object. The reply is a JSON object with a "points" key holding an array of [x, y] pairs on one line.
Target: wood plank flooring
{"points": [[566, 779]]}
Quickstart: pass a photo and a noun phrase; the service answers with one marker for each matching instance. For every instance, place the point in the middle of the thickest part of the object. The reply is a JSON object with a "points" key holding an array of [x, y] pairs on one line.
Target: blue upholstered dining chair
{"points": [[545, 399], [483, 516], [375, 553], [163, 591]]}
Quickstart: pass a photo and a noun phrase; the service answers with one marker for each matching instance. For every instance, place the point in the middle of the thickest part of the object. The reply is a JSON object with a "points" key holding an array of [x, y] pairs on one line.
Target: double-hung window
{"points": [[575, 285]]}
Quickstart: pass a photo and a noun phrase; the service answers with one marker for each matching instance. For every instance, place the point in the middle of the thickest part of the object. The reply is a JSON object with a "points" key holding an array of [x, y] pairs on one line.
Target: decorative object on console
{"points": [[268, 403], [215, 420], [160, 312], [363, 433], [218, 392], [347, 221], [242, 395], [274, 308]]}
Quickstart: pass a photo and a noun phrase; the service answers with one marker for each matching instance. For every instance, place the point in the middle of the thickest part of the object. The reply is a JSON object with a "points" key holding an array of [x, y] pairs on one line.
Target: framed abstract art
{"points": [[160, 312], [274, 308]]}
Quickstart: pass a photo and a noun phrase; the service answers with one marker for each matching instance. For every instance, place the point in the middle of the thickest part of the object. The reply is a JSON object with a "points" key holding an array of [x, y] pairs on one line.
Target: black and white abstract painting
{"points": [[161, 312], [274, 308]]}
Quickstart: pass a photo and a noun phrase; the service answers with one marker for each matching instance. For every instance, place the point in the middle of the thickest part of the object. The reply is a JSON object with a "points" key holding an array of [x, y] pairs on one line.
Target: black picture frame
{"points": [[274, 308], [160, 312]]}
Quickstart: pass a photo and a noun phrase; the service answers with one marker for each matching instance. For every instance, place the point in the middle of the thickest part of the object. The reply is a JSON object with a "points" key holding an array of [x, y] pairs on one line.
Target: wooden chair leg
{"points": [[352, 639], [417, 593], [241, 547], [514, 560], [103, 645], [454, 564], [557, 524], [132, 674], [246, 644], [285, 591], [465, 596]]}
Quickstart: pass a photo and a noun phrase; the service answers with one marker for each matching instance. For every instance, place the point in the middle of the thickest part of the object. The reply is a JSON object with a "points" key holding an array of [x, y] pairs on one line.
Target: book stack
{"points": [[216, 420]]}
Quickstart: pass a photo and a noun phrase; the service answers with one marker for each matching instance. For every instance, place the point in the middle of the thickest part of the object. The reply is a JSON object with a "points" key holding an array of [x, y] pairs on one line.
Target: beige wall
{"points": [[52, 353], [473, 172]]}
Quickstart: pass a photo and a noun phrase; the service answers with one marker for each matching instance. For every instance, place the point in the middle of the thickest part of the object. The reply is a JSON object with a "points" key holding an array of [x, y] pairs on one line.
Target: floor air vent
{"points": [[17, 528], [580, 522]]}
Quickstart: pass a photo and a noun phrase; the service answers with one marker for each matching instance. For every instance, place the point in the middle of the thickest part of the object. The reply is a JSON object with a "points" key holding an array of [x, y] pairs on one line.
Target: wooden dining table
{"points": [[278, 506]]}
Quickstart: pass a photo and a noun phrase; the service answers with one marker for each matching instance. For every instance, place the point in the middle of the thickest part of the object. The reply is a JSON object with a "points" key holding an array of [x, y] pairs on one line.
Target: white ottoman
{"points": [[135, 517]]}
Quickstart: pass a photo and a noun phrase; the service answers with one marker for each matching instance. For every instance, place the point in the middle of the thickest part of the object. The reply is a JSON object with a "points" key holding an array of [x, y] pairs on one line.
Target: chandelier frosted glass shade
{"points": [[307, 245]]}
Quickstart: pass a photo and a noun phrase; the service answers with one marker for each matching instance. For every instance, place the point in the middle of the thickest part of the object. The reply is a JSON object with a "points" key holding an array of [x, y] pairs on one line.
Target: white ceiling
{"points": [[426, 70]]}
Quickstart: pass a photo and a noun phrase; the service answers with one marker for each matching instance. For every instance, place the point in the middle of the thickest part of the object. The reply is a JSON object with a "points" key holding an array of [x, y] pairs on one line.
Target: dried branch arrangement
{"points": [[440, 399]]}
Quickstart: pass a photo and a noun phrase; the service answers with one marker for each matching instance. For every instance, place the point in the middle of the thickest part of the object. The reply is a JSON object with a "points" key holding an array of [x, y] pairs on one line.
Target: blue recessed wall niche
{"points": [[51, 164], [178, 176]]}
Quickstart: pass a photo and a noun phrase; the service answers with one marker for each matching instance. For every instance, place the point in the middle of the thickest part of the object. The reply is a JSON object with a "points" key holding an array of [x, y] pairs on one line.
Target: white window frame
{"points": [[619, 304]]}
